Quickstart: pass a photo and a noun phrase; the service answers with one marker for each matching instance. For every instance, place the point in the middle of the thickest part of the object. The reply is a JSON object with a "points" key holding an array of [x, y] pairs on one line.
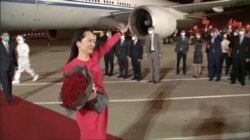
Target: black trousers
{"points": [[215, 66], [123, 66], [239, 70], [6, 81], [226, 59], [248, 69], [109, 64], [136, 68], [183, 56]]}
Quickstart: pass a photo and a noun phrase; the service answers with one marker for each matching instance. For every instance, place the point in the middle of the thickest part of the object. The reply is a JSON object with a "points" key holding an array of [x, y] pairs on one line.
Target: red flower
{"points": [[72, 89]]}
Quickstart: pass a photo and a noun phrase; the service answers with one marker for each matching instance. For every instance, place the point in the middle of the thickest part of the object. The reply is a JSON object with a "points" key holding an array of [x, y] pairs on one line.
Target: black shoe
{"points": [[210, 79], [105, 74], [120, 76], [111, 74], [155, 82], [150, 81], [232, 82], [139, 79], [217, 80], [134, 78], [243, 83]]}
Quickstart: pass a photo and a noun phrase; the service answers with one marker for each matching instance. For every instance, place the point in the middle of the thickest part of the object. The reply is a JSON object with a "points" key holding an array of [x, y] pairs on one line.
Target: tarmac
{"points": [[179, 107]]}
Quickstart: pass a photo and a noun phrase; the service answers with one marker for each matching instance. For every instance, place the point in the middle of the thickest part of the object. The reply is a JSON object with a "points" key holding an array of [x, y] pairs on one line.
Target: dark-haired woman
{"points": [[92, 125], [198, 56]]}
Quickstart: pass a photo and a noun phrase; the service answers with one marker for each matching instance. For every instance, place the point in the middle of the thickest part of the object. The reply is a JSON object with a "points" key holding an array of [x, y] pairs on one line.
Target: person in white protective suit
{"points": [[23, 61]]}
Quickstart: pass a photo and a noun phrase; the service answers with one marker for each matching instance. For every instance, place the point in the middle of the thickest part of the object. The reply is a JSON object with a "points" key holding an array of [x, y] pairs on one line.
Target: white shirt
{"points": [[225, 45], [135, 41], [122, 40], [152, 48], [241, 39], [6, 46]]}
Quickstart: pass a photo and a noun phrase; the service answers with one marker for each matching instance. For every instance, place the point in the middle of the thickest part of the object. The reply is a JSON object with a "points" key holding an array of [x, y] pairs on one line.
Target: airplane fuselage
{"points": [[63, 14]]}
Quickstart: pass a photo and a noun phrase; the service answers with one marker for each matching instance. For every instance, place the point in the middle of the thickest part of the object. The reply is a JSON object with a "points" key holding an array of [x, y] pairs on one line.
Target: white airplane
{"points": [[54, 15]]}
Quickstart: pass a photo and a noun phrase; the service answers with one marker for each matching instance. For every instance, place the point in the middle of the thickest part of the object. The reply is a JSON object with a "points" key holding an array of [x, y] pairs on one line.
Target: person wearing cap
{"points": [[153, 47], [23, 60], [240, 55], [8, 63], [93, 125], [215, 56]]}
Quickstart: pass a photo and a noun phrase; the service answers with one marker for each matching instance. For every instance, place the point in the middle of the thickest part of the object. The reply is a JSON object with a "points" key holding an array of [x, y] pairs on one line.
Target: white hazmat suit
{"points": [[23, 61]]}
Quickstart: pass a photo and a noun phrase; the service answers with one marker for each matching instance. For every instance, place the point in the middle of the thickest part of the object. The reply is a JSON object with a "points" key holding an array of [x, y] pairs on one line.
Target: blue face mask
{"points": [[6, 38]]}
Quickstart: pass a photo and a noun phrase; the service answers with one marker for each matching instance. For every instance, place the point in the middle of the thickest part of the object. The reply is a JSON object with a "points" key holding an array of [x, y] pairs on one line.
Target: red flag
{"points": [[205, 21]]}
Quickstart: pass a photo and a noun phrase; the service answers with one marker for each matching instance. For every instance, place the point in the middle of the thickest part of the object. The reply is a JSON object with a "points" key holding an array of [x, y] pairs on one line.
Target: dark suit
{"points": [[7, 66], [214, 58], [109, 61], [181, 49], [136, 53], [122, 53], [239, 54]]}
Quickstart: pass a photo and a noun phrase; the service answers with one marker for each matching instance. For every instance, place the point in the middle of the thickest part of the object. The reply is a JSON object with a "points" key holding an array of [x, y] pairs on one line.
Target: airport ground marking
{"points": [[117, 81], [225, 136], [161, 99]]}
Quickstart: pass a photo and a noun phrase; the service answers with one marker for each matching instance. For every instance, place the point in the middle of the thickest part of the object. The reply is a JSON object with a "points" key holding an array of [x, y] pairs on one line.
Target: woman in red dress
{"points": [[92, 125]]}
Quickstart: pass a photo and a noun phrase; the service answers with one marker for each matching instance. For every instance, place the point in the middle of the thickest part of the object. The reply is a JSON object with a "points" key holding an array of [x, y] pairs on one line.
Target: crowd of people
{"points": [[228, 47], [231, 47]]}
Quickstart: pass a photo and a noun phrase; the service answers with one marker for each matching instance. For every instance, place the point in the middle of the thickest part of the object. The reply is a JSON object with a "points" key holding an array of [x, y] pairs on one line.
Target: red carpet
{"points": [[26, 121]]}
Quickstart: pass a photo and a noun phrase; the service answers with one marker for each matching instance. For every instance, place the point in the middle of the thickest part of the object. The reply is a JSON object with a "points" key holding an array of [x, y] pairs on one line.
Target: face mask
{"points": [[133, 38], [183, 34], [20, 41], [211, 34], [122, 37], [215, 34], [6, 38], [225, 36], [150, 32], [235, 33], [241, 33], [198, 36]]}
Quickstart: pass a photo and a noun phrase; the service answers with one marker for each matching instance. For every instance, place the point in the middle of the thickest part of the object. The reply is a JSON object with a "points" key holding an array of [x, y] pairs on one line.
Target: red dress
{"points": [[93, 125]]}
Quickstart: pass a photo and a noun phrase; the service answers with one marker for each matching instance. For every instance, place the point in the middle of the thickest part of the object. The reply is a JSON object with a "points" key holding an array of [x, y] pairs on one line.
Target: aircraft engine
{"points": [[52, 34], [145, 16], [60, 34]]}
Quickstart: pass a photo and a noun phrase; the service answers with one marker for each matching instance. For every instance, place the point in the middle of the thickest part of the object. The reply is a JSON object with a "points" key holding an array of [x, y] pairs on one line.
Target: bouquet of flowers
{"points": [[76, 89]]}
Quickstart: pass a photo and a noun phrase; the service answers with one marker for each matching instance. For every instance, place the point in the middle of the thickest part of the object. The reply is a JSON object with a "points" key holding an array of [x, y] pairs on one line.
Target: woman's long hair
{"points": [[78, 36]]}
